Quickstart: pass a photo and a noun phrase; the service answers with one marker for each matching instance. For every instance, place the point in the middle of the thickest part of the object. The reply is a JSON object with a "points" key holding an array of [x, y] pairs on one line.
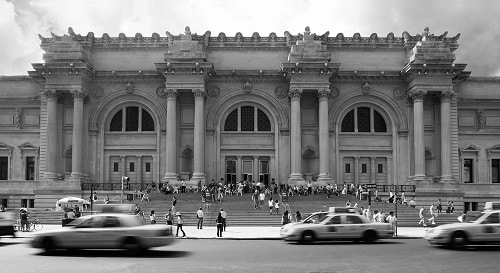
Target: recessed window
{"points": [[380, 168], [468, 171], [4, 167], [132, 167], [115, 167], [495, 170], [347, 168], [363, 168], [30, 168], [148, 167]]}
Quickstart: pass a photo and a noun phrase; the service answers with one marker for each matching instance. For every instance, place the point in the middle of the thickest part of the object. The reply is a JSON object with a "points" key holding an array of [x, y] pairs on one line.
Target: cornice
{"points": [[406, 40]]}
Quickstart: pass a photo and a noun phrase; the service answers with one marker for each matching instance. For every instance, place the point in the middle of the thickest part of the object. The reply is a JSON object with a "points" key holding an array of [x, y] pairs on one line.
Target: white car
{"points": [[483, 229], [105, 231], [337, 226]]}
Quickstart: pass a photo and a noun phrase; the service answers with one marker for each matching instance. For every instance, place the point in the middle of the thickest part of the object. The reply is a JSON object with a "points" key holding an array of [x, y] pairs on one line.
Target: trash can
{"points": [[66, 221], [130, 197]]}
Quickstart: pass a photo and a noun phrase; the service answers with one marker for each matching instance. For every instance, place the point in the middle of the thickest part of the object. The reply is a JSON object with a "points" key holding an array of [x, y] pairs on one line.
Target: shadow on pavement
{"points": [[391, 242], [117, 253]]}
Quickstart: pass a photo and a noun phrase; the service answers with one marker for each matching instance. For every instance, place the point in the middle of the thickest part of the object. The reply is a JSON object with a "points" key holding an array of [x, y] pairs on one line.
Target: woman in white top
{"points": [[152, 217]]}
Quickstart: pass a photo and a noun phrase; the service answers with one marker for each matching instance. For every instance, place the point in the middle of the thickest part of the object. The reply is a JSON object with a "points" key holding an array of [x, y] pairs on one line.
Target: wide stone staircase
{"points": [[241, 212]]}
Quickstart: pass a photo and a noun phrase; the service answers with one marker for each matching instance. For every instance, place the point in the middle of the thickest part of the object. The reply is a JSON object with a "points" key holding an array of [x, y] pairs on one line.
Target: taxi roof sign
{"points": [[342, 209]]}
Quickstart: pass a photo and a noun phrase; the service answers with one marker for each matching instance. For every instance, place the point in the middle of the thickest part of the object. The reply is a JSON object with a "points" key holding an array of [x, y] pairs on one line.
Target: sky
{"points": [[22, 20]]}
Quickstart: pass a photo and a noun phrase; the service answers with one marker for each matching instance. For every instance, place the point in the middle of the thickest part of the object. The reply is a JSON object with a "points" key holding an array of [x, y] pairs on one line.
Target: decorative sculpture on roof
{"points": [[187, 30]]}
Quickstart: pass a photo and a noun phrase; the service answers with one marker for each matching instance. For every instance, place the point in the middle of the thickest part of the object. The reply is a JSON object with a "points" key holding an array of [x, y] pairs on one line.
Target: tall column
{"points": [[324, 147], [389, 171], [373, 170], [171, 138], [446, 173], [356, 170], [295, 137], [256, 169], [199, 135], [77, 148], [139, 170], [51, 150], [124, 168], [239, 168], [418, 129]]}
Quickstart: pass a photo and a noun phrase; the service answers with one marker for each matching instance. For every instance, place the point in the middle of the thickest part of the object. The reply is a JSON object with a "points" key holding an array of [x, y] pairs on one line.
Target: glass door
{"points": [[247, 170], [264, 172], [230, 171]]}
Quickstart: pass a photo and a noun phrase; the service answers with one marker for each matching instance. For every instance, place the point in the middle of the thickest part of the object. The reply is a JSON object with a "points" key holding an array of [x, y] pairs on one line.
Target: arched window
{"points": [[232, 121], [136, 119], [248, 117], [364, 120]]}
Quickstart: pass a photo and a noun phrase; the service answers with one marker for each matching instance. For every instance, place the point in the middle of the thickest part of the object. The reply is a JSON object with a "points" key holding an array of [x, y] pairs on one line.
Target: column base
{"points": [[170, 177], [324, 179], [420, 178], [447, 179], [197, 177], [49, 175], [76, 175], [296, 179]]}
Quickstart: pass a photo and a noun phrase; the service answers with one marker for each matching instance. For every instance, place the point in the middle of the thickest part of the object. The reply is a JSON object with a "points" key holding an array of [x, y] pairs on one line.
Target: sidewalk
{"points": [[241, 232]]}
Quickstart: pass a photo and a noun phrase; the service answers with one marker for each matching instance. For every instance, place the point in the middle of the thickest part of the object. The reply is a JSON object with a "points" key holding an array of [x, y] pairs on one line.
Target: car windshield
{"points": [[476, 218], [314, 218]]}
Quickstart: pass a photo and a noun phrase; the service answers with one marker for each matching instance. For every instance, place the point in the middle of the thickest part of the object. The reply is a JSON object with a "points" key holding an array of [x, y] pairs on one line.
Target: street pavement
{"points": [[242, 232]]}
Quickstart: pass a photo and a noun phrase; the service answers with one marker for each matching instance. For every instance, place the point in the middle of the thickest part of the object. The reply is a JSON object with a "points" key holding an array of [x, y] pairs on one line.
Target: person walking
{"points": [[180, 222], [223, 213], [255, 198], [262, 198], [218, 220], [432, 211], [199, 216], [174, 203], [169, 217], [277, 206], [284, 218], [298, 217], [152, 217], [421, 216], [271, 205]]}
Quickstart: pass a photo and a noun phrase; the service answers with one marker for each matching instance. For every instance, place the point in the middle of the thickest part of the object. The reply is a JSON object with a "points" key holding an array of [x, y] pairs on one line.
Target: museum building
{"points": [[393, 110]]}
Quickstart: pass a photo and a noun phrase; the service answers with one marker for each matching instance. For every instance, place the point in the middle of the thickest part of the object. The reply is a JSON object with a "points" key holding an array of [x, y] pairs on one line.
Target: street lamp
{"points": [[124, 178]]}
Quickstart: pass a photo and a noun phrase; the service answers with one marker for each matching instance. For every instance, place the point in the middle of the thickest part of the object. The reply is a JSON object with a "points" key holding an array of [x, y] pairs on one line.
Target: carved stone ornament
{"points": [[18, 116], [97, 92], [447, 95], [399, 93], [51, 94], [213, 91], [334, 92], [366, 88], [78, 94], [247, 86], [171, 93], [129, 87], [199, 93], [323, 93], [481, 119], [281, 92], [161, 92]]}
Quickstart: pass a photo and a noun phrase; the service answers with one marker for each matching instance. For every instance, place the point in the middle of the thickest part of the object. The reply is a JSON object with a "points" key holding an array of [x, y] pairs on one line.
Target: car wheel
{"points": [[307, 237], [458, 240], [48, 246], [370, 236], [131, 246]]}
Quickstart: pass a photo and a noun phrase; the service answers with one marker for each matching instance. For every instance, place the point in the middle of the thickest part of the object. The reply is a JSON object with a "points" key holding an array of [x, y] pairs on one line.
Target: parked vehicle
{"points": [[7, 223]]}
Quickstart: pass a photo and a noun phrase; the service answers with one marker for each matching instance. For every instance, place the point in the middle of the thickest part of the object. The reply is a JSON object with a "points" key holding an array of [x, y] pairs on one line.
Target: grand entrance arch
{"points": [[367, 149], [247, 143]]}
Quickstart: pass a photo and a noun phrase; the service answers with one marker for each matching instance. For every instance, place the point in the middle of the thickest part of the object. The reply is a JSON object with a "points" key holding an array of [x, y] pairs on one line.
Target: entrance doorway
{"points": [[230, 171], [264, 172]]}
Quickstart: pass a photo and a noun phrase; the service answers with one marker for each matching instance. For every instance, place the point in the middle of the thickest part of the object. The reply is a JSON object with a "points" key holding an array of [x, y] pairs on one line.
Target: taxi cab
{"points": [[336, 226], [483, 229]]}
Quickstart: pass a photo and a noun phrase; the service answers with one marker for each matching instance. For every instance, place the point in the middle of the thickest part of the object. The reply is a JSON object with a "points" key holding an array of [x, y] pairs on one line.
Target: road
{"points": [[212, 255]]}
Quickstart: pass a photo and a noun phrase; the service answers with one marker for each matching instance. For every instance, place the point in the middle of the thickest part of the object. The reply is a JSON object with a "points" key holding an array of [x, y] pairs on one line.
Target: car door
{"points": [[490, 228], [333, 228], [84, 235], [353, 226], [111, 232]]}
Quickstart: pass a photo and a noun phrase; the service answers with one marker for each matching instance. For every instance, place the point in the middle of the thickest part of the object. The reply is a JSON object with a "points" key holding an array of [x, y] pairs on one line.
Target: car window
{"points": [[353, 219], [316, 218], [92, 222], [111, 221], [335, 220], [493, 218]]}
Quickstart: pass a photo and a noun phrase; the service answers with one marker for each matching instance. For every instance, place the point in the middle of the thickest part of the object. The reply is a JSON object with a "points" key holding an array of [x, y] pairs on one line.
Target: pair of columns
{"points": [[419, 135], [199, 135], [296, 133], [52, 134]]}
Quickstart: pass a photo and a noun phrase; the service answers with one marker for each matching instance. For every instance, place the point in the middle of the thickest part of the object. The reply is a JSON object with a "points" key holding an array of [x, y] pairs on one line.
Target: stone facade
{"points": [[365, 110]]}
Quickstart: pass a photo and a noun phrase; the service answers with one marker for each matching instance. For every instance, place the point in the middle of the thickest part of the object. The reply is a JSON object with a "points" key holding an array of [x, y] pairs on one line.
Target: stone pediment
{"points": [[27, 146], [470, 148]]}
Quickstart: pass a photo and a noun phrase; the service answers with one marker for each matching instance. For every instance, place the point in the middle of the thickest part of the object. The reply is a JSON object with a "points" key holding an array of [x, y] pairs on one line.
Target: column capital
{"points": [[295, 93], [199, 93], [50, 93], [170, 93], [78, 94], [447, 95], [417, 95], [323, 94]]}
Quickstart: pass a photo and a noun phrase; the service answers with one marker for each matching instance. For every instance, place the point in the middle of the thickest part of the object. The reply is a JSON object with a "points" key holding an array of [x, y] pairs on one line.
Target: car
{"points": [[7, 223], [105, 231], [482, 229], [337, 226]]}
